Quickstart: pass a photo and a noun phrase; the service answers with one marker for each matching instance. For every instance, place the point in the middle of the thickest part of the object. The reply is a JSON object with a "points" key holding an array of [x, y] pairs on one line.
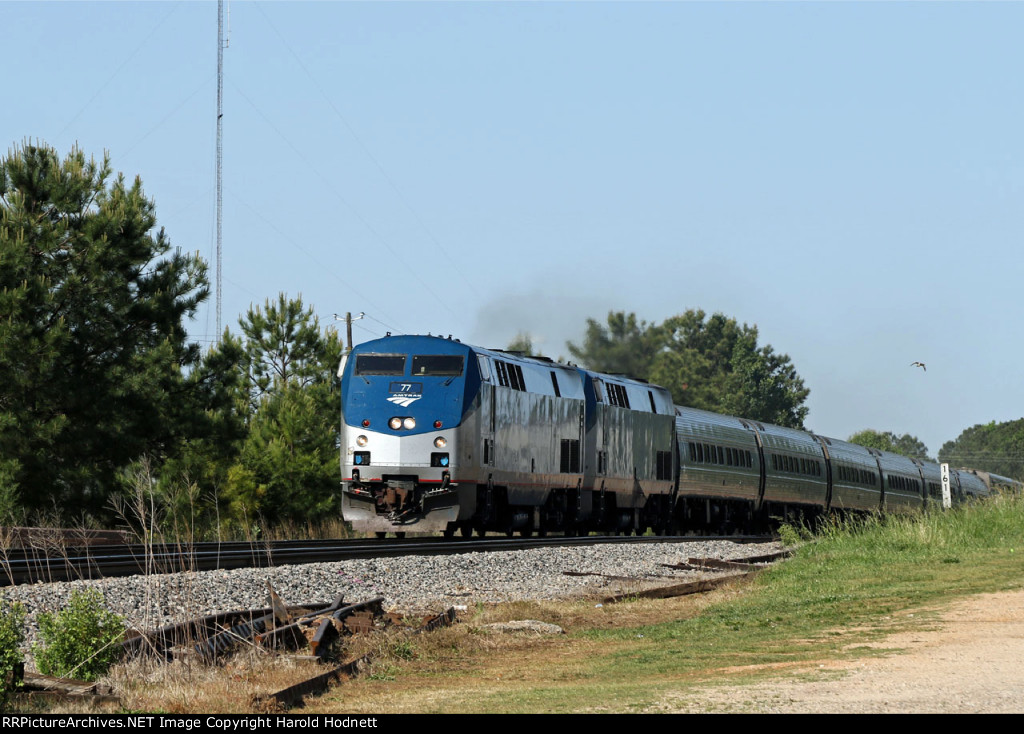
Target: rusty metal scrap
{"points": [[278, 626], [291, 632], [359, 622], [615, 578], [445, 619], [747, 566], [720, 565], [767, 557], [35, 683], [293, 695], [694, 587], [278, 606], [163, 641], [752, 563], [325, 633], [323, 628]]}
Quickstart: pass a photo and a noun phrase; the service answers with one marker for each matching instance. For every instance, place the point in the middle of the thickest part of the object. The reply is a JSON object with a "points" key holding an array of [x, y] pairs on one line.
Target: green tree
{"points": [[93, 348], [764, 385], [286, 467], [522, 343], [712, 363], [189, 481], [906, 444], [993, 447], [283, 347], [625, 346]]}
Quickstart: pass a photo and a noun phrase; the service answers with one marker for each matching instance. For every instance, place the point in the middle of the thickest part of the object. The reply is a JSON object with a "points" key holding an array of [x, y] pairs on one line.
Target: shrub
{"points": [[81, 640], [12, 632]]}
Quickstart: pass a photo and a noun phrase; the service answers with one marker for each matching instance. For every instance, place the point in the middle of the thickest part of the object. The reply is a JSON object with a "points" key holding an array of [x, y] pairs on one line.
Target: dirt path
{"points": [[973, 664]]}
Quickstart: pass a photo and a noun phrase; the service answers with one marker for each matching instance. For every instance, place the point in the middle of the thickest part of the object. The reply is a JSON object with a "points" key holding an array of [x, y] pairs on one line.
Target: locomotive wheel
{"points": [[448, 533], [381, 534], [466, 530]]}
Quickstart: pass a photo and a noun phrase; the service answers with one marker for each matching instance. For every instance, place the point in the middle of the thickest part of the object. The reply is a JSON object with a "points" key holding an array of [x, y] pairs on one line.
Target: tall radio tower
{"points": [[220, 147]]}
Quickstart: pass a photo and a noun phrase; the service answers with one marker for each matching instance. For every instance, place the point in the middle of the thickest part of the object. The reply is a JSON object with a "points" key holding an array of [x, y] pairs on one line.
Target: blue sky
{"points": [[846, 176]]}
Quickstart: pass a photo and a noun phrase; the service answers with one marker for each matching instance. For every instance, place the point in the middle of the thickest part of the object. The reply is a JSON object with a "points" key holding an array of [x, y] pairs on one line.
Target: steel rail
{"points": [[20, 566]]}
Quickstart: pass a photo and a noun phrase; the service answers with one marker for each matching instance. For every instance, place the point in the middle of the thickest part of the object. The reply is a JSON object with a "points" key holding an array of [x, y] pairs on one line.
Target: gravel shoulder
{"points": [[969, 660], [408, 584]]}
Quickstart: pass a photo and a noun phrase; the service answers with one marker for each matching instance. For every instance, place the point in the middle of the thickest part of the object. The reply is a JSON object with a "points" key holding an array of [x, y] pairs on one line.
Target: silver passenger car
{"points": [[856, 482], [903, 485], [967, 485], [721, 476], [794, 468]]}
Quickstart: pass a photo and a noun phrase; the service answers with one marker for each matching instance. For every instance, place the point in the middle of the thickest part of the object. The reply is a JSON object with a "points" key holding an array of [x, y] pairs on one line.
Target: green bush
{"points": [[81, 640], [12, 632]]}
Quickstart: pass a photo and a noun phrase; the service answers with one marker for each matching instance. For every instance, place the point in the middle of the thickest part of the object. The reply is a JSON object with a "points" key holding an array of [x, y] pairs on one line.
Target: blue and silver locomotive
{"points": [[440, 436]]}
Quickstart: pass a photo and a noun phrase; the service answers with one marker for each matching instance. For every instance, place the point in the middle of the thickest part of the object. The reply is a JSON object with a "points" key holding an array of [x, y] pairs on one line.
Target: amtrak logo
{"points": [[404, 400]]}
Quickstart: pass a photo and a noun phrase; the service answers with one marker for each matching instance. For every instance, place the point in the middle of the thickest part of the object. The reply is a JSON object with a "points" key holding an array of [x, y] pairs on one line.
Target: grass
{"points": [[853, 585], [849, 587]]}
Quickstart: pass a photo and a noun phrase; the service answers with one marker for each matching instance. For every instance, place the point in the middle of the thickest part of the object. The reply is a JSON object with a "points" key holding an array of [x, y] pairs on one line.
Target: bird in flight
{"points": [[919, 364]]}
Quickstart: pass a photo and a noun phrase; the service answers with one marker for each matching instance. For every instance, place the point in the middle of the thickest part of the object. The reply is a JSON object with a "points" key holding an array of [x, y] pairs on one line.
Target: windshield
{"points": [[442, 365], [380, 364]]}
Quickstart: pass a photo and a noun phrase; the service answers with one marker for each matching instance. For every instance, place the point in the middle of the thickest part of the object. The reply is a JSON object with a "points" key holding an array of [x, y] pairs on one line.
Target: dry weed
{"points": [[184, 686]]}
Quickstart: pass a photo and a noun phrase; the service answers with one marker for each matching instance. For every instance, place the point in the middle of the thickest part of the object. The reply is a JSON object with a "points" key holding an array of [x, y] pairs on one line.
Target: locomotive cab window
{"points": [[439, 365], [380, 364]]}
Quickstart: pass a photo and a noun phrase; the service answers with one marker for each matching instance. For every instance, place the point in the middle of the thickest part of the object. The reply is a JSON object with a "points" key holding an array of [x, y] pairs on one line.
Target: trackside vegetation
{"points": [[12, 632], [849, 585], [81, 640]]}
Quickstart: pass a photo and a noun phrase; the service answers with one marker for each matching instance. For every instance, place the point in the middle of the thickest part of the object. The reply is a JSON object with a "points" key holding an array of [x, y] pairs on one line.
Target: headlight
{"points": [[440, 442], [395, 423], [409, 423], [362, 440]]}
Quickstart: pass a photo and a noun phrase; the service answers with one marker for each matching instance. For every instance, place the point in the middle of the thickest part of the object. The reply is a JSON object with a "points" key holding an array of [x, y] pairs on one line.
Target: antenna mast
{"points": [[220, 148]]}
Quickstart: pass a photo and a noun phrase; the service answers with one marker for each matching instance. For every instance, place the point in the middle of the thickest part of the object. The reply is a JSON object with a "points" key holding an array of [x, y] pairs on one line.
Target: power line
{"points": [[132, 55], [453, 262]]}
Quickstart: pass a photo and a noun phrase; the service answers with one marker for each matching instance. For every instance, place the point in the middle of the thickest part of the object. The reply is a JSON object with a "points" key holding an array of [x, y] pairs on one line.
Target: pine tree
{"points": [[287, 466], [92, 340]]}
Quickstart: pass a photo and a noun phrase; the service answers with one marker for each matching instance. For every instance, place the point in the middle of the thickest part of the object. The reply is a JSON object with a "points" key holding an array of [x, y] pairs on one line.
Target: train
{"points": [[438, 436]]}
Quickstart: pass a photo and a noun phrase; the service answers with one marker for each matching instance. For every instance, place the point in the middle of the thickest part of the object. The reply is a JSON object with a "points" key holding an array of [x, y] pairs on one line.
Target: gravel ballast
{"points": [[408, 584]]}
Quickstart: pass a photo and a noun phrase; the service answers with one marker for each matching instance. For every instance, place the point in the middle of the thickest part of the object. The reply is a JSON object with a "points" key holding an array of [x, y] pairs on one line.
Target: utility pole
{"points": [[348, 326]]}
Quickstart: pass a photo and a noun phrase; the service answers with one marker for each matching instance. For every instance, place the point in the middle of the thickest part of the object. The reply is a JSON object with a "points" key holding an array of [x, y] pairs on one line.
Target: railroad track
{"points": [[31, 565]]}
